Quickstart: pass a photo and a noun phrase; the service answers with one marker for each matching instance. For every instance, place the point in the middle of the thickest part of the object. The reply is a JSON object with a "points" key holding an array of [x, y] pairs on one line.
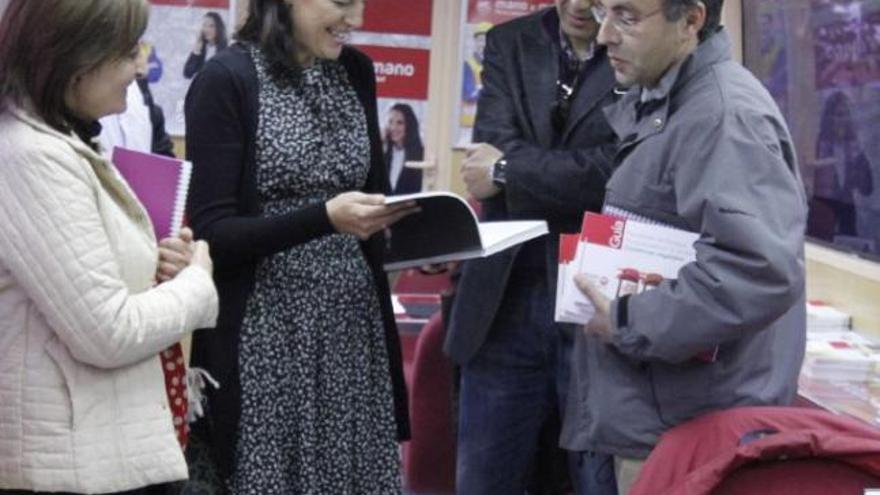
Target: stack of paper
{"points": [[853, 359], [619, 257], [823, 318]]}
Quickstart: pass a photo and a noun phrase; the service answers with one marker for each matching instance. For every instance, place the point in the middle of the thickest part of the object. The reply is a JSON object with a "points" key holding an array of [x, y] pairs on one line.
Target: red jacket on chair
{"points": [[738, 450]]}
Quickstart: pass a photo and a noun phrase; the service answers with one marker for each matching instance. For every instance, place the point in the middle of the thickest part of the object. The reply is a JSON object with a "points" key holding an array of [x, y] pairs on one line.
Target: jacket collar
{"points": [[25, 114], [664, 87], [111, 181], [709, 52]]}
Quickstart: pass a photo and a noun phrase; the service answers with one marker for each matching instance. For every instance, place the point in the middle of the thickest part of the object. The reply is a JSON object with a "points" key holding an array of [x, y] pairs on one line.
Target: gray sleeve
{"points": [[736, 183]]}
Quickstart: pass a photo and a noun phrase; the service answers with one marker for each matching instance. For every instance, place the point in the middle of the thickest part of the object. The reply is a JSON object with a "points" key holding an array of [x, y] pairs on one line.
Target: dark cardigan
{"points": [[221, 124]]}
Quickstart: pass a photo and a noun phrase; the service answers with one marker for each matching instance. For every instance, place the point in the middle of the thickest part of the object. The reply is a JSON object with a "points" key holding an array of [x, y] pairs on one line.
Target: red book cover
{"points": [[604, 230], [568, 244]]}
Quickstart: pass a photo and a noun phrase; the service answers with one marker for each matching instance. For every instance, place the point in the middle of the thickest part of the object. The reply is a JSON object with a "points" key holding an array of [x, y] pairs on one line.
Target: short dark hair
{"points": [[45, 44], [673, 10], [269, 25]]}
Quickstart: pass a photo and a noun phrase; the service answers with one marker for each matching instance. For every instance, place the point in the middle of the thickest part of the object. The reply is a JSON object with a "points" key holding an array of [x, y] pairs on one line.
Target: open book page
{"points": [[498, 236], [447, 229], [495, 237], [444, 226]]}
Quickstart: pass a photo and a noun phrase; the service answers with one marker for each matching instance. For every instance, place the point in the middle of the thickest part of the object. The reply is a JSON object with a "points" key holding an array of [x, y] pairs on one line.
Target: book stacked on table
{"points": [[844, 356], [823, 318]]}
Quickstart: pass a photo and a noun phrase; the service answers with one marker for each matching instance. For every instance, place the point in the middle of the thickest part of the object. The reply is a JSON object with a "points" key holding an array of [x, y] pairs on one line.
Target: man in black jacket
{"points": [[142, 126], [544, 152]]}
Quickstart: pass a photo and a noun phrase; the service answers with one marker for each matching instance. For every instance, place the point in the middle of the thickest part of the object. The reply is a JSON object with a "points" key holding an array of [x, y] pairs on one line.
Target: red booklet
{"points": [[621, 257], [160, 183]]}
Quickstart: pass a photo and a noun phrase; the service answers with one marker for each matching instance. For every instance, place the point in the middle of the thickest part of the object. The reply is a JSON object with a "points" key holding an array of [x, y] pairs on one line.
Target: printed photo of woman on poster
{"points": [[211, 39], [183, 35]]}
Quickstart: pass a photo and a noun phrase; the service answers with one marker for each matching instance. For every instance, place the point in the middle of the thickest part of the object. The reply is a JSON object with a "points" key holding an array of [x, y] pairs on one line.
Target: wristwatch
{"points": [[499, 177]]}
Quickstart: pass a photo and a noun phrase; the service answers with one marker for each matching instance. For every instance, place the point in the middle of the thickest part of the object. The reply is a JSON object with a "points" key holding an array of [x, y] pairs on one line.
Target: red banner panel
{"points": [[400, 72], [498, 11], [398, 17]]}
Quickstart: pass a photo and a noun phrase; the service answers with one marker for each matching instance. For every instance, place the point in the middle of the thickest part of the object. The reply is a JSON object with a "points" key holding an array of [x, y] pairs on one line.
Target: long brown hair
{"points": [[45, 44]]}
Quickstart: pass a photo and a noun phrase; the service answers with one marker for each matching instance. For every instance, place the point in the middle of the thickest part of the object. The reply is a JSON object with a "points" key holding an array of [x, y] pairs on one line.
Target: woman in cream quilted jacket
{"points": [[83, 406]]}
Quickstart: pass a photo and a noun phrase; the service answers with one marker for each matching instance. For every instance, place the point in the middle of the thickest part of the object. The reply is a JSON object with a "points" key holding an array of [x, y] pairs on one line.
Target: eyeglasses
{"points": [[623, 20]]}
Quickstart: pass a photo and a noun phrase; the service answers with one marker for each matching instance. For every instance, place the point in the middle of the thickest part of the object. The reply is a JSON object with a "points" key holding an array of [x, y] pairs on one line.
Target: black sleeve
{"points": [[538, 180], [218, 208], [161, 142], [364, 80], [193, 64]]}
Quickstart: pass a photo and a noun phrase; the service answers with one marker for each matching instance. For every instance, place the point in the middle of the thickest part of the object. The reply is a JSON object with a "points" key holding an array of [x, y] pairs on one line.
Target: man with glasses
{"points": [[704, 148], [544, 152]]}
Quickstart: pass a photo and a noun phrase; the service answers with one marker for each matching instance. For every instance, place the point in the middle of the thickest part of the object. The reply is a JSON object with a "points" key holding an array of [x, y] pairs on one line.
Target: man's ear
{"points": [[695, 18]]}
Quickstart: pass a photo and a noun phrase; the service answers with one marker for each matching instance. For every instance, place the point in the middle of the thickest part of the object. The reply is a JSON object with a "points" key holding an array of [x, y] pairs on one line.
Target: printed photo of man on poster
{"points": [[472, 82], [481, 16]]}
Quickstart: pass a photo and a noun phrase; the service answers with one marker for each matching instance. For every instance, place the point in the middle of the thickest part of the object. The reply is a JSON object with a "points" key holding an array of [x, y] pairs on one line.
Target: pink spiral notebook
{"points": [[160, 183]]}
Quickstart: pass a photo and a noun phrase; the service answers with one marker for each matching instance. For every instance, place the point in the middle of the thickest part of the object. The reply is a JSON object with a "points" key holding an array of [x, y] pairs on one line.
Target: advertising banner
{"points": [[397, 35], [181, 36], [479, 17]]}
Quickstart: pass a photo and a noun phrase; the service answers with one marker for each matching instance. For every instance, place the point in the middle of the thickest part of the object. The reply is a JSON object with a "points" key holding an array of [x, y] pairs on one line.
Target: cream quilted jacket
{"points": [[82, 398]]}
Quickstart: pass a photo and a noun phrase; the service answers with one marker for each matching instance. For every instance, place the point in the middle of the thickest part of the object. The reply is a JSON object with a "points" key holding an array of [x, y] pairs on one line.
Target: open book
{"points": [[447, 229], [160, 183]]}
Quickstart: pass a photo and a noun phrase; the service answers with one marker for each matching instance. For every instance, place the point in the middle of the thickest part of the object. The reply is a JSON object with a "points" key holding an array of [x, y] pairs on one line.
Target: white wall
{"points": [[731, 17]]}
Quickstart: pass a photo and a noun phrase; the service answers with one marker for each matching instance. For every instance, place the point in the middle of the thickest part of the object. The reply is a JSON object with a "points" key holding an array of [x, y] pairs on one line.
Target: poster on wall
{"points": [[771, 60], [478, 17], [181, 36], [820, 60], [846, 43], [400, 48], [845, 204]]}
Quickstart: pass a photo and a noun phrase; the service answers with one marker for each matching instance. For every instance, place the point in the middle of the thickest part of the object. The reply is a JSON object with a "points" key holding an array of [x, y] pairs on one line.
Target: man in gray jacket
{"points": [[704, 149]]}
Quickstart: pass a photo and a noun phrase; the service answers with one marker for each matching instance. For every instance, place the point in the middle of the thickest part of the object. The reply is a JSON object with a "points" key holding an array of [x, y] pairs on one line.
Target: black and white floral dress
{"points": [[317, 411]]}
